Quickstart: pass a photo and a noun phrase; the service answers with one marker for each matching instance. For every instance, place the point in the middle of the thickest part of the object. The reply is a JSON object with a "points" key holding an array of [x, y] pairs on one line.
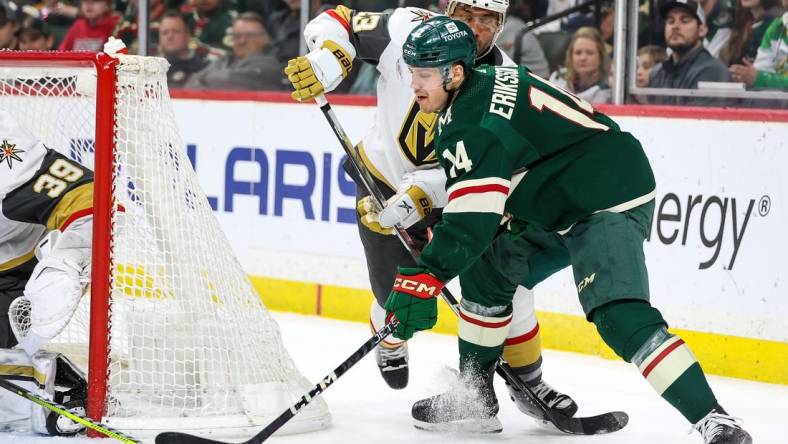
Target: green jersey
{"points": [[515, 145]]}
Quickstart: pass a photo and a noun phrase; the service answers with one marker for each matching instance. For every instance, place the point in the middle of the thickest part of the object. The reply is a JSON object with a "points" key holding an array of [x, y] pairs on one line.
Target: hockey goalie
{"points": [[45, 249]]}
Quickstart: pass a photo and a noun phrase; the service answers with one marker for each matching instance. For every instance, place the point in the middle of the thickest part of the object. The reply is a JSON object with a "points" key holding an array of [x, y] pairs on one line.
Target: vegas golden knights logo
{"points": [[416, 135], [9, 152]]}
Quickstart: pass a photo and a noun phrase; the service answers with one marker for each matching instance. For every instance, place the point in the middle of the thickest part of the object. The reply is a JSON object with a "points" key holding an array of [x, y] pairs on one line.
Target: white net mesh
{"points": [[191, 345]]}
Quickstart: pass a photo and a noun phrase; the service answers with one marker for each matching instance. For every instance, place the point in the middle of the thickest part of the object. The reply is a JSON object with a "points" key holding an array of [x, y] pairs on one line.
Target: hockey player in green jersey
{"points": [[398, 153], [537, 180]]}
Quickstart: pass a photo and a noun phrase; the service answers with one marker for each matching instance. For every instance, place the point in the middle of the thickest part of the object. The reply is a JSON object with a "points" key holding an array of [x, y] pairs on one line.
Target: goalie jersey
{"points": [[40, 190], [401, 138]]}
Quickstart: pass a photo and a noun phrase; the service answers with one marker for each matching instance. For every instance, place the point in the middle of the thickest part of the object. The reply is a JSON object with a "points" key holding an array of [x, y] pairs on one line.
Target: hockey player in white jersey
{"points": [[398, 152], [46, 226]]}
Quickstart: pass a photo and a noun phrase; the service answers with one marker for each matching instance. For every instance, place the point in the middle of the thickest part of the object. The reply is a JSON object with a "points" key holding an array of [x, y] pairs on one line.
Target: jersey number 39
{"points": [[57, 178]]}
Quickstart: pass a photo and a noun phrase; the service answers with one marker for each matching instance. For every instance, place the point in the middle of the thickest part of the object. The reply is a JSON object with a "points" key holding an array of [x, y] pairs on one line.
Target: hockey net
{"points": [[171, 333]]}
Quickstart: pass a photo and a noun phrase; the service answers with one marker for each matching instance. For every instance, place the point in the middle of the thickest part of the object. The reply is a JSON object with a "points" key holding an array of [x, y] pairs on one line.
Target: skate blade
{"points": [[470, 426]]}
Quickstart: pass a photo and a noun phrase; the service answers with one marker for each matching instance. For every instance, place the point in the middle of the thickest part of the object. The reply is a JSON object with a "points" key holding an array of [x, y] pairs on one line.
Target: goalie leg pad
{"points": [[34, 374], [15, 412], [48, 375]]}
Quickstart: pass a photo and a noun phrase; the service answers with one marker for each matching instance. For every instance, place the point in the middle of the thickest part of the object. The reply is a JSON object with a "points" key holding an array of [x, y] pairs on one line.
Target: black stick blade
{"points": [[183, 438], [591, 425]]}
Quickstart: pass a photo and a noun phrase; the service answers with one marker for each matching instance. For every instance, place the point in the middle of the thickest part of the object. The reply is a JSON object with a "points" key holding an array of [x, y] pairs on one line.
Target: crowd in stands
{"points": [[243, 44]]}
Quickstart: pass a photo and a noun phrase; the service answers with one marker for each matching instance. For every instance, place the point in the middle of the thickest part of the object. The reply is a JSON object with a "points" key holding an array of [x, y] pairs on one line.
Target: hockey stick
{"points": [[287, 415], [63, 410], [603, 423]]}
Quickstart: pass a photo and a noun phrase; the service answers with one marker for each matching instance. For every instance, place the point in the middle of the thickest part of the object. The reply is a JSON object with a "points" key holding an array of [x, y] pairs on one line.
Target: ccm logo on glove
{"points": [[422, 286]]}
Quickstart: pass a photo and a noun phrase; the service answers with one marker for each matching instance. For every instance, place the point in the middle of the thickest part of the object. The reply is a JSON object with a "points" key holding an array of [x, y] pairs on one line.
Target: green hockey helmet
{"points": [[440, 42]]}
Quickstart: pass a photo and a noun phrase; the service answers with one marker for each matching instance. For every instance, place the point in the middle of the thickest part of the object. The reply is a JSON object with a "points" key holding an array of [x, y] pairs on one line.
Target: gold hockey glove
{"points": [[369, 216], [319, 71]]}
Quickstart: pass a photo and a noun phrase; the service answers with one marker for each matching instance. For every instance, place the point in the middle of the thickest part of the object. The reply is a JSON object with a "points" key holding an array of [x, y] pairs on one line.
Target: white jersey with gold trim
{"points": [[400, 139], [40, 190], [21, 155]]}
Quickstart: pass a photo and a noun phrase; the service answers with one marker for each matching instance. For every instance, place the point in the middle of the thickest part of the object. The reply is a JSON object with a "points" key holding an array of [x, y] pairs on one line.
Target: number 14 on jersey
{"points": [[459, 160]]}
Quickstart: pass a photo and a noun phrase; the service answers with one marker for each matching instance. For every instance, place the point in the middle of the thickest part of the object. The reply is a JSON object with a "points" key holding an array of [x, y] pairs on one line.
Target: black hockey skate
{"points": [[552, 398], [393, 365], [70, 391], [720, 428], [471, 407]]}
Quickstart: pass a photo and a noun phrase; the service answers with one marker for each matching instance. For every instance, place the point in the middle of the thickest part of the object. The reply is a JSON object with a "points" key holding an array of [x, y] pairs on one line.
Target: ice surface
{"points": [[365, 410]]}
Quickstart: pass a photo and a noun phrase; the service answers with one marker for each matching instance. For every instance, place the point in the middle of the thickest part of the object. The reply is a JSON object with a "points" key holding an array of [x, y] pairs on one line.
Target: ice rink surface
{"points": [[364, 410]]}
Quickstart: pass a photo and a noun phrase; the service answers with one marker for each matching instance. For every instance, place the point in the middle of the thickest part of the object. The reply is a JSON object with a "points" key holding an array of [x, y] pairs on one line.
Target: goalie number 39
{"points": [[57, 178]]}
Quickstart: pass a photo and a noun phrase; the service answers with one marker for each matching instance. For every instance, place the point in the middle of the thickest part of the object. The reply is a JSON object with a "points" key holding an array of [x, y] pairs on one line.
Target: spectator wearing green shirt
{"points": [[770, 69], [749, 26], [210, 23]]}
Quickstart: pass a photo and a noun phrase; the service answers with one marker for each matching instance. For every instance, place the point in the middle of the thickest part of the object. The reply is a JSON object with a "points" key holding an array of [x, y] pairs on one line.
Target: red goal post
{"points": [[176, 331]]}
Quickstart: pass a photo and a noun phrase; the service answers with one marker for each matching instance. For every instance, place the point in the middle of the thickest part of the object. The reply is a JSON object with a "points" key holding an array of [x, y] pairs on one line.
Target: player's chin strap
{"points": [[451, 92], [489, 48], [452, 95]]}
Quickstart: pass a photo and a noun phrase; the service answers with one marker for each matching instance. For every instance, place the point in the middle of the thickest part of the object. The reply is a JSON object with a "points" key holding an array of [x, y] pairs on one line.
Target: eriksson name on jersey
{"points": [[504, 94]]}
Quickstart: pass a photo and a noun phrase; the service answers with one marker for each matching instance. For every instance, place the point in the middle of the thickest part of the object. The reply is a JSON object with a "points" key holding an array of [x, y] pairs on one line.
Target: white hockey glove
{"points": [[419, 193], [319, 71], [55, 287]]}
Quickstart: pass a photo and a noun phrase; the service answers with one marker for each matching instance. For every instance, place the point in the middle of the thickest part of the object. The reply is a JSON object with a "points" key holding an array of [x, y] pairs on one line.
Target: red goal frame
{"points": [[105, 68]]}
